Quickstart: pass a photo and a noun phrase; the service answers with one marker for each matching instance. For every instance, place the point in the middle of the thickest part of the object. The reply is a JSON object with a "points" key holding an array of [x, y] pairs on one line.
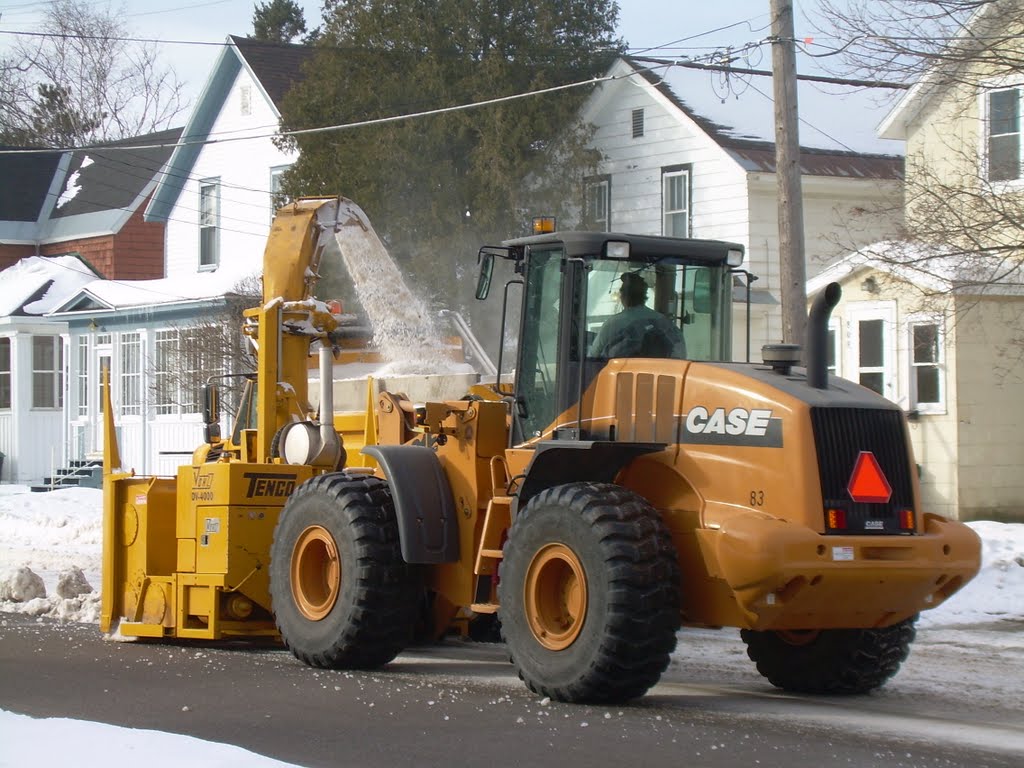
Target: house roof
{"points": [[81, 193], [27, 179], [931, 269], [276, 66], [114, 295], [837, 129], [37, 284], [894, 126]]}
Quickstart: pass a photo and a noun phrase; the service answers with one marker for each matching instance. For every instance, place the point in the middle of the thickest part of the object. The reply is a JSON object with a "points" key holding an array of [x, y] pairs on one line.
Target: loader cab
{"points": [[576, 315]]}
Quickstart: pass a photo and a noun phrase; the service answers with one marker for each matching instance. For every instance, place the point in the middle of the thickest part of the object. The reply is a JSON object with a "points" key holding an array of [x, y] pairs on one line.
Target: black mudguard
{"points": [[427, 521], [568, 461]]}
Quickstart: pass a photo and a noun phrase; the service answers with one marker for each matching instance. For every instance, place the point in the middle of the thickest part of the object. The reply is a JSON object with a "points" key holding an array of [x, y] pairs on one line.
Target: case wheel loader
{"points": [[592, 505]]}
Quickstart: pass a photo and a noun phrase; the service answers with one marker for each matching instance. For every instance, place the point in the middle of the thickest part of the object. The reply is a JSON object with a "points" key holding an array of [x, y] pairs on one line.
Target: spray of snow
{"points": [[404, 330]]}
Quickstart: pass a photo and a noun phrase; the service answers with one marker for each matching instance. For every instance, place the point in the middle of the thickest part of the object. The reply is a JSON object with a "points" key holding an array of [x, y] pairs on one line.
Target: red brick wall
{"points": [[11, 254]]}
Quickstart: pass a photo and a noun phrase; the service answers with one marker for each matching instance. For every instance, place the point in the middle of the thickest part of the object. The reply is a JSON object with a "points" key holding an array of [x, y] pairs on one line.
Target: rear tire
{"points": [[589, 594], [834, 661], [343, 598]]}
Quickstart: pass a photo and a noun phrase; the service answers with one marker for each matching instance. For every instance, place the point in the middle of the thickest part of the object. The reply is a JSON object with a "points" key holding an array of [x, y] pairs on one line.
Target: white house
{"points": [[689, 153]]}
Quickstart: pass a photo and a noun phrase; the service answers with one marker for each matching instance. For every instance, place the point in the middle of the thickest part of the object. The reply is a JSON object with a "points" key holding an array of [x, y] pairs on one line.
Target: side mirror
{"points": [[483, 281], [211, 413]]}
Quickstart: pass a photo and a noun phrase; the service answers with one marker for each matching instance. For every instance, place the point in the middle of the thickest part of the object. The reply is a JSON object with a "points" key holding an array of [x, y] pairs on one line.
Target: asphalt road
{"points": [[460, 703]]}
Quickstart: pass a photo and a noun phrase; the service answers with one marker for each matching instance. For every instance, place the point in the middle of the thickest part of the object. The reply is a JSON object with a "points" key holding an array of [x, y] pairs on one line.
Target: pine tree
{"points": [[278, 21]]}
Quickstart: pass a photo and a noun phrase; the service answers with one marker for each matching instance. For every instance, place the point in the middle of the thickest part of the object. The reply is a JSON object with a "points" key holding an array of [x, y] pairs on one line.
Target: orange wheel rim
{"points": [[315, 572], [798, 636], [556, 596]]}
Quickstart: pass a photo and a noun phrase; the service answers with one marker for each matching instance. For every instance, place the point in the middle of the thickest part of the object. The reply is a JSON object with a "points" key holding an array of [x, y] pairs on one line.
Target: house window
{"points": [[597, 203], [638, 123], [131, 374], [675, 201], [245, 100], [183, 360], [47, 365], [82, 377], [1004, 144], [5, 373], [926, 386], [277, 197], [209, 224]]}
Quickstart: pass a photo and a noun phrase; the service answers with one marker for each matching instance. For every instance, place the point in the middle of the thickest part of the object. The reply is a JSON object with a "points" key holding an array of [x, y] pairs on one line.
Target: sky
{"points": [[650, 27], [52, 542]]}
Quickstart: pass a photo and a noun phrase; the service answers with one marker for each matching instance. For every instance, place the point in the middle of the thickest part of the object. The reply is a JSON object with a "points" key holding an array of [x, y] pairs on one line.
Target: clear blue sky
{"points": [[649, 26]]}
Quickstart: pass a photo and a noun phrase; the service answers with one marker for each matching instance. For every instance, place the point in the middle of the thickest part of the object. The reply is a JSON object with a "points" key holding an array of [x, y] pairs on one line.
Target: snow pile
{"points": [[997, 592], [29, 741], [60, 276], [51, 554]]}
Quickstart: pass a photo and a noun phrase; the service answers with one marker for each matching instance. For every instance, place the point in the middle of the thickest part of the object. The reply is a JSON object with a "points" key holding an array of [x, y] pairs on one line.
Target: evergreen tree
{"points": [[278, 21], [437, 187]]}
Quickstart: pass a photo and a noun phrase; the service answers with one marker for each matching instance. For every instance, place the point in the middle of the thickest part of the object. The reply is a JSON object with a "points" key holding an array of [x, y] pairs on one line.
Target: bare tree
{"points": [[964, 151], [83, 81]]}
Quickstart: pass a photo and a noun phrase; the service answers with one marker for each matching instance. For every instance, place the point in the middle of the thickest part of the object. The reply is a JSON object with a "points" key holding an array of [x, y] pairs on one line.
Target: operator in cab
{"points": [[638, 330]]}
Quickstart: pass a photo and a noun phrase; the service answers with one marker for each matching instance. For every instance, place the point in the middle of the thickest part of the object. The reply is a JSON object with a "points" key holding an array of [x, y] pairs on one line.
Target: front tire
{"points": [[589, 594], [833, 661], [343, 598]]}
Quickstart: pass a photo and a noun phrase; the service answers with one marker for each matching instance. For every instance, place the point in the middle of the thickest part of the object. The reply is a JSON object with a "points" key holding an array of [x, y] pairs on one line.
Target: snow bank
{"points": [[30, 741]]}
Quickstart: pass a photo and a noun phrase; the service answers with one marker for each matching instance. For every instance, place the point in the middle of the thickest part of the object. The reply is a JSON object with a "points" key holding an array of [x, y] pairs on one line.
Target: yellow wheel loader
{"points": [[629, 479]]}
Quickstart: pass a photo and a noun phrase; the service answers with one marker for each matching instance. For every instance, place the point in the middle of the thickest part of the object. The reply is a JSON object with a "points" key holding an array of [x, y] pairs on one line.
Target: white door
{"points": [[871, 347]]}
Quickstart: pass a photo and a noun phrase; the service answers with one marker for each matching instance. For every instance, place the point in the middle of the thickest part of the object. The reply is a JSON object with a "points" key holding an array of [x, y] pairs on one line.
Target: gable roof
{"points": [[275, 67], [37, 284], [930, 269], [81, 193], [114, 295], [894, 126], [836, 131], [27, 180]]}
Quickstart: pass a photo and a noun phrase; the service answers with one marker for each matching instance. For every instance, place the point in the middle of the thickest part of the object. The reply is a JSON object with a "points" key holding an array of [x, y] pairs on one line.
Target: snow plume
{"points": [[404, 330]]}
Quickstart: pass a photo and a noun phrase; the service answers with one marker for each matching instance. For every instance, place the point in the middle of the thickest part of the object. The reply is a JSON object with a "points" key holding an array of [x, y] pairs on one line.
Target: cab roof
{"points": [[581, 244]]}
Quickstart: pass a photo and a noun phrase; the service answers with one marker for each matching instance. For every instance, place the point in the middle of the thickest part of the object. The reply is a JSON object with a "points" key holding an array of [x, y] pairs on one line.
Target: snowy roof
{"points": [[930, 268], [37, 284], [125, 294]]}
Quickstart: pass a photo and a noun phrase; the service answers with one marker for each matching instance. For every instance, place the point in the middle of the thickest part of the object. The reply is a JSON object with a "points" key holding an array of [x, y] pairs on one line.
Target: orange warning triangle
{"points": [[868, 483]]}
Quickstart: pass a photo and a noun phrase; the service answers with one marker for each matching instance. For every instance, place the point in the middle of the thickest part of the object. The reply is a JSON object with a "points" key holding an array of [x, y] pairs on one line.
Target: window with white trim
{"points": [[209, 224], [675, 201], [927, 388], [871, 349], [47, 372], [1003, 134], [5, 372], [597, 203], [82, 376], [131, 374], [277, 197]]}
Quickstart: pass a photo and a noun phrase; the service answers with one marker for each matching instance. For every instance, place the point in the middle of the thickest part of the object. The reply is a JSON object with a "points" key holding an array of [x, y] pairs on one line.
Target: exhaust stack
{"points": [[817, 335]]}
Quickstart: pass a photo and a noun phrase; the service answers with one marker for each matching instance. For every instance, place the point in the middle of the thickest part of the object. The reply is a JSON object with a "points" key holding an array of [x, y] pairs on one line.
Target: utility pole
{"points": [[787, 173]]}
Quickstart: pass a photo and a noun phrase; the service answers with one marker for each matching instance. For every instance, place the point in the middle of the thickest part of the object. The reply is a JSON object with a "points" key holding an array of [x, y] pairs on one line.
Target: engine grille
{"points": [[840, 434]]}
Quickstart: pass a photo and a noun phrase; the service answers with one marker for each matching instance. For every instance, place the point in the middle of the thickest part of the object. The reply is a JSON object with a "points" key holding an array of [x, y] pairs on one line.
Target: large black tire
{"points": [[833, 661], [343, 598], [589, 594]]}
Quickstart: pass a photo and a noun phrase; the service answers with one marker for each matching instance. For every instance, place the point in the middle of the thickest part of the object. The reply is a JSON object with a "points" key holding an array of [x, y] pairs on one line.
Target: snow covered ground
{"points": [[50, 563]]}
